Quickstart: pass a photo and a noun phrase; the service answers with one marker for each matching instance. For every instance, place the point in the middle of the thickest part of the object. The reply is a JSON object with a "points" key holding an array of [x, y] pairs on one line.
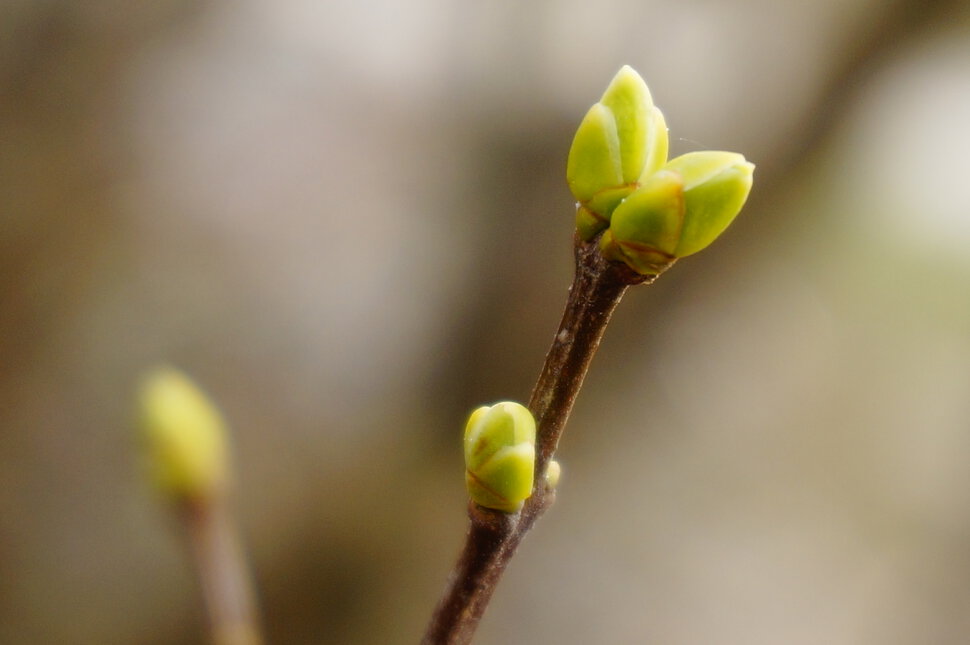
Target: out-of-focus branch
{"points": [[223, 573], [890, 29], [186, 449]]}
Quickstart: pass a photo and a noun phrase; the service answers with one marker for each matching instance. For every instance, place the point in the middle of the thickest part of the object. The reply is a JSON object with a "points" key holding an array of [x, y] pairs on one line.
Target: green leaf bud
{"points": [[646, 227], [629, 100], [500, 455], [594, 158], [185, 436], [716, 185], [621, 140]]}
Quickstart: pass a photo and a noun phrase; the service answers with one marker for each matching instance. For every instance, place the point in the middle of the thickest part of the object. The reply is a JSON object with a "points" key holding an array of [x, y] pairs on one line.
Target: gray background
{"points": [[349, 222]]}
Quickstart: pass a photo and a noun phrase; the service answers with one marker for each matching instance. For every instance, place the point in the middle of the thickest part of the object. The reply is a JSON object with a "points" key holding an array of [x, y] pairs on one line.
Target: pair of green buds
{"points": [[650, 211], [500, 456]]}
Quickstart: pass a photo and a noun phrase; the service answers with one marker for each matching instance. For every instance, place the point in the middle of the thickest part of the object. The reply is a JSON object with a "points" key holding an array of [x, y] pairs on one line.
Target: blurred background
{"points": [[349, 222]]}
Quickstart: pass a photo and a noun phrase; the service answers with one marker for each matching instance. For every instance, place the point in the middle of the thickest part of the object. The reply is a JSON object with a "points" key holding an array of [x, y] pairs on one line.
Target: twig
{"points": [[474, 577], [493, 536], [222, 571]]}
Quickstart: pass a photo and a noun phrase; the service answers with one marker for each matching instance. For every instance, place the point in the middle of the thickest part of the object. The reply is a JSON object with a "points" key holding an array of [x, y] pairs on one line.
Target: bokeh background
{"points": [[349, 222]]}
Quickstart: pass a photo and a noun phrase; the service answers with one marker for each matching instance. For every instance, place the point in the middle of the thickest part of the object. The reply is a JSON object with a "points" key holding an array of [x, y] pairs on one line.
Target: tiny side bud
{"points": [[553, 472]]}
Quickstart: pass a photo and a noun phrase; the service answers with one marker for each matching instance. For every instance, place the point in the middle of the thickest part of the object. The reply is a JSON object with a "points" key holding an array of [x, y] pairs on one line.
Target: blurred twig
{"points": [[886, 32], [223, 573], [187, 451]]}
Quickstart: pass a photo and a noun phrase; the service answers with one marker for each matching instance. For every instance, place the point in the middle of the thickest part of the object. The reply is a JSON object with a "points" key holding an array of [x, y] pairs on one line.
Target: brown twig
{"points": [[222, 572], [493, 536], [473, 578]]}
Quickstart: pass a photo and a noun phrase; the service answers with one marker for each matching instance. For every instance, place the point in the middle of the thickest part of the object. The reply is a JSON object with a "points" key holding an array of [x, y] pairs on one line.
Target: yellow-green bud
{"points": [[716, 185], [640, 127], [594, 162], [646, 227], [678, 211], [500, 455], [621, 140], [185, 436]]}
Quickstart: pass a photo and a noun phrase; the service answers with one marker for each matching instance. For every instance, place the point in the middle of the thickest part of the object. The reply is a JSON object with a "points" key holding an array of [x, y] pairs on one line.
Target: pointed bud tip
{"points": [[643, 146], [627, 82]]}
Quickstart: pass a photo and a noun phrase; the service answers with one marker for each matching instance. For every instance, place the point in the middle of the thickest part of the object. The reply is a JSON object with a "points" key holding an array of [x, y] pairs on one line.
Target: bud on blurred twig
{"points": [[187, 452], [185, 436]]}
